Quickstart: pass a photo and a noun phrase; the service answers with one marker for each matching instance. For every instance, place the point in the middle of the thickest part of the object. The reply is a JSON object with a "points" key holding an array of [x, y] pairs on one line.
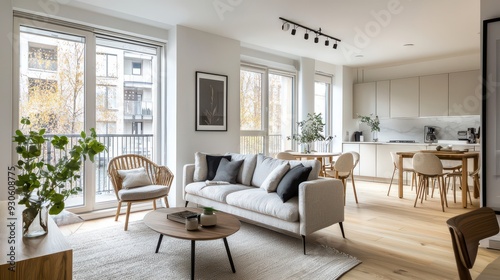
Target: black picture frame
{"points": [[211, 102], [490, 97]]}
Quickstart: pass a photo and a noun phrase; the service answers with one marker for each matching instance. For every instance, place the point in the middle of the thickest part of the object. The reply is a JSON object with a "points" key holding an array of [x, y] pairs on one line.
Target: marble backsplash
{"points": [[413, 129]]}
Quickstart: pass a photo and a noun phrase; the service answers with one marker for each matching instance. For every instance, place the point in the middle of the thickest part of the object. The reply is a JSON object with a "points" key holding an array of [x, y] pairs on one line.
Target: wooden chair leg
{"points": [[166, 202], [129, 204], [354, 188], [154, 204], [118, 210], [344, 183], [393, 172]]}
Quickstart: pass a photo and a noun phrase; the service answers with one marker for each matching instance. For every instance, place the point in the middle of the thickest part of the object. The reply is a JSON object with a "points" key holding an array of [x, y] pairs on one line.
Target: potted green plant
{"points": [[311, 130], [373, 123], [44, 186]]}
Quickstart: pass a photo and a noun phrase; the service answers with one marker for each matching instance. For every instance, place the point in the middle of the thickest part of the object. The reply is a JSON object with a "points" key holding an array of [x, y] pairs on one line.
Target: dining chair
{"points": [[457, 175], [343, 167], [395, 162], [285, 155], [355, 157], [136, 178], [466, 231], [428, 167]]}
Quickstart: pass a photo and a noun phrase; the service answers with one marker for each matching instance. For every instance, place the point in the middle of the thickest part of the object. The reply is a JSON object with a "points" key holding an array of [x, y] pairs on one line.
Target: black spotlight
{"points": [[316, 39], [335, 45], [327, 43], [285, 26], [294, 31], [306, 36]]}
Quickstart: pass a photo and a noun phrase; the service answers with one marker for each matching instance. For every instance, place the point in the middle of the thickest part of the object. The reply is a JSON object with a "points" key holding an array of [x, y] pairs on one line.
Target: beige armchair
{"points": [[137, 179]]}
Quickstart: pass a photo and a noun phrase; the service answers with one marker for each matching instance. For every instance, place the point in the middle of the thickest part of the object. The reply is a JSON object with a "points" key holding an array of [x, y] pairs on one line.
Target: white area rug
{"points": [[258, 253]]}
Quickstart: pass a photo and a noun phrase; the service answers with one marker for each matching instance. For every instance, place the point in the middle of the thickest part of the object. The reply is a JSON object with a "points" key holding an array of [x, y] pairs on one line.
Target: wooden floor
{"points": [[393, 239]]}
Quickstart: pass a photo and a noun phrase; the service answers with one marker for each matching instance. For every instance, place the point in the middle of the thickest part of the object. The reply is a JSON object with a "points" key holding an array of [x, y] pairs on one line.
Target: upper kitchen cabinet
{"points": [[463, 98], [404, 98], [434, 95], [364, 99], [383, 93]]}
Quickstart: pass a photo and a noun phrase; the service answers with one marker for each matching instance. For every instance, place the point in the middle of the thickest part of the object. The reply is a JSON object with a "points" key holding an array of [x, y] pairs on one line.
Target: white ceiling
{"points": [[377, 30]]}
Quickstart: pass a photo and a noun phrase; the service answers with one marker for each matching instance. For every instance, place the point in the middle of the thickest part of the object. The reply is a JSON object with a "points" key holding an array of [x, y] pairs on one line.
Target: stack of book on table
{"points": [[181, 216]]}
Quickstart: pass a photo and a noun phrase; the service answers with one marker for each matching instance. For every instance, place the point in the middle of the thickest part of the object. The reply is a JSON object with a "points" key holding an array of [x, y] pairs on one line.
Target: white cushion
{"points": [[143, 193], [213, 192], [133, 178], [265, 165], [271, 182], [247, 168], [258, 200], [200, 166]]}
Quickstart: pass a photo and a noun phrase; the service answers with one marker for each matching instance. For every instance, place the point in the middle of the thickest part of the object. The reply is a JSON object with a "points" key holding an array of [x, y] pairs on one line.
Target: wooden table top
{"points": [[443, 154], [157, 221], [315, 154]]}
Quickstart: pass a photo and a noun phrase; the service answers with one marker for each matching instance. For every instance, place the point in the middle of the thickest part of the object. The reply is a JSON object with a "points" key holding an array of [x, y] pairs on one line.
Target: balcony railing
{"points": [[255, 145], [135, 108], [117, 144]]}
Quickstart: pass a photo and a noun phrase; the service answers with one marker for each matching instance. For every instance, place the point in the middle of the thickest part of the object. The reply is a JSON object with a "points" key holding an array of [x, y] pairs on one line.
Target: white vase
{"points": [[208, 220], [375, 136]]}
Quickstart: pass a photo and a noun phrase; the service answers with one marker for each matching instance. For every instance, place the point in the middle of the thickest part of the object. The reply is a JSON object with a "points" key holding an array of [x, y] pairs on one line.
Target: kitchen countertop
{"points": [[416, 143]]}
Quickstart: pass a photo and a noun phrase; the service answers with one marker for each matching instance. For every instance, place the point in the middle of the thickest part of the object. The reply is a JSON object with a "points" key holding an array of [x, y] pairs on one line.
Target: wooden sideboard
{"points": [[45, 257]]}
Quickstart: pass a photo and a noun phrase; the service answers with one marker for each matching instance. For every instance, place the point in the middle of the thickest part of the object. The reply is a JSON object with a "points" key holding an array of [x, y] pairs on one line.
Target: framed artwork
{"points": [[211, 102], [490, 121]]}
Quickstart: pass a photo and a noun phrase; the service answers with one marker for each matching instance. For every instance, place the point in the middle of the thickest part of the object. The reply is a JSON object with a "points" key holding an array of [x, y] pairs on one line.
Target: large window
{"points": [[71, 79], [266, 110], [322, 104]]}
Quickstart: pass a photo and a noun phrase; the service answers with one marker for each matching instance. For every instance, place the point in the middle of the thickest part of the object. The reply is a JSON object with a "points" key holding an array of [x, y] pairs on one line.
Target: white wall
{"points": [[491, 9], [201, 51], [5, 94]]}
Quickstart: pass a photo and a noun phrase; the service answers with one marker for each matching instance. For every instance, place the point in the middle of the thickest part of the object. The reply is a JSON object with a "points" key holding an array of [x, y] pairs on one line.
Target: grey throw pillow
{"points": [[228, 170], [213, 164]]}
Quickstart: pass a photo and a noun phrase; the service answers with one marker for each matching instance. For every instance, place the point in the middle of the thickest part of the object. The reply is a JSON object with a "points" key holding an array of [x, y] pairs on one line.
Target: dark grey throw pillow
{"points": [[213, 164], [289, 184], [228, 170]]}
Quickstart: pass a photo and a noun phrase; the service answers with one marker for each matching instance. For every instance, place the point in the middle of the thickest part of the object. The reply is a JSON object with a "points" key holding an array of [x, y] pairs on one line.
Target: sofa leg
{"points": [[342, 229], [186, 205], [304, 243]]}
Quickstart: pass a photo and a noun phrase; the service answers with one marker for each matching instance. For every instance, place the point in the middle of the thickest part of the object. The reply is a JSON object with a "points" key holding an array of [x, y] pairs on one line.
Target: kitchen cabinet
{"points": [[352, 148], [464, 93], [385, 165], [433, 95], [383, 93], [367, 160], [364, 99], [404, 98]]}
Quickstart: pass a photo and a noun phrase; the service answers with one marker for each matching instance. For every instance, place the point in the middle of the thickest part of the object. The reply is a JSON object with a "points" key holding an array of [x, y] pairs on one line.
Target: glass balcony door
{"points": [[266, 111], [59, 92]]}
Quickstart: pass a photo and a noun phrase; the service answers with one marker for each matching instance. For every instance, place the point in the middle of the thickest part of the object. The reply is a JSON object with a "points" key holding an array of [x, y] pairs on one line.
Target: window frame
{"points": [[90, 34], [266, 71]]}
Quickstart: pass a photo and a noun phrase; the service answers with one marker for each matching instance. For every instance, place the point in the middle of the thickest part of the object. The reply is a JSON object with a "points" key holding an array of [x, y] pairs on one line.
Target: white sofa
{"points": [[319, 204]]}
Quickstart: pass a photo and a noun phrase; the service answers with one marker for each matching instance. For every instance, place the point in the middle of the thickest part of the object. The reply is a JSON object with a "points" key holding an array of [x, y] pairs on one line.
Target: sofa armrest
{"points": [[187, 176], [321, 204]]}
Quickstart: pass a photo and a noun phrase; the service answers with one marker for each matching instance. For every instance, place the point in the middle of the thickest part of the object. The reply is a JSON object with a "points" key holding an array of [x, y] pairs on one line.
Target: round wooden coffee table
{"points": [[226, 225]]}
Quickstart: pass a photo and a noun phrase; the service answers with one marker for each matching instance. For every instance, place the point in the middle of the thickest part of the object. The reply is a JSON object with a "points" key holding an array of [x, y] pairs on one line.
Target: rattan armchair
{"points": [[160, 181]]}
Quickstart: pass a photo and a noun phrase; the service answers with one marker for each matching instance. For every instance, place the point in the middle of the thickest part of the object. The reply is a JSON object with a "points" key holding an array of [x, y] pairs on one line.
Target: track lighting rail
{"points": [[317, 32]]}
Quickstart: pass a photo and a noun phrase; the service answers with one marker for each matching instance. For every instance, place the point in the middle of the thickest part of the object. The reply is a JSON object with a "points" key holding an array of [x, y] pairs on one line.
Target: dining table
{"points": [[320, 156], [462, 156]]}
